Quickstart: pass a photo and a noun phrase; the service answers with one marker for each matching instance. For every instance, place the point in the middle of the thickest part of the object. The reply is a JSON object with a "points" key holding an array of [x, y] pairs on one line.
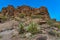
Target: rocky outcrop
{"points": [[4, 11], [27, 10]]}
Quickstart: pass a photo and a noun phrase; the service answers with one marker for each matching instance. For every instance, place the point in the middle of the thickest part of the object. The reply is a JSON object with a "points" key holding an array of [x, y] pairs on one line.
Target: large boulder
{"points": [[40, 37], [8, 25], [39, 21], [8, 35]]}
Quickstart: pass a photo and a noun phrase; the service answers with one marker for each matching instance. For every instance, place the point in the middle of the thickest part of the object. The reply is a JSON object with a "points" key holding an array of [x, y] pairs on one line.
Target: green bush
{"points": [[21, 28], [21, 15], [32, 28], [58, 34], [0, 36], [50, 22], [59, 26], [17, 18], [3, 18]]}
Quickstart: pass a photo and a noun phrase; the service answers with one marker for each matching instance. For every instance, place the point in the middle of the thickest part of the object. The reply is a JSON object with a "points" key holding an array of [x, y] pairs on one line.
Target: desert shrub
{"points": [[0, 36], [12, 17], [21, 15], [35, 16], [3, 18], [32, 28], [58, 34], [21, 28], [59, 26], [17, 18], [50, 22]]}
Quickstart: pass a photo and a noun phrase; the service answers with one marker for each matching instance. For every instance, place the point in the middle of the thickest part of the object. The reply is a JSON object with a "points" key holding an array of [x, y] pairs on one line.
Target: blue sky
{"points": [[52, 5]]}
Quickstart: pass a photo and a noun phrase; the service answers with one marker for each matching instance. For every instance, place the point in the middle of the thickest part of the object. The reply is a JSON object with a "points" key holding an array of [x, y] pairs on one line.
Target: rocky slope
{"points": [[10, 30], [27, 23]]}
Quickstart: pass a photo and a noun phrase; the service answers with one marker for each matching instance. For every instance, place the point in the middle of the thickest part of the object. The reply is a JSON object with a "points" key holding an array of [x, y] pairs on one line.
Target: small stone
{"points": [[54, 28], [42, 28], [44, 32], [22, 36], [15, 32], [52, 32], [40, 37], [42, 22], [28, 35]]}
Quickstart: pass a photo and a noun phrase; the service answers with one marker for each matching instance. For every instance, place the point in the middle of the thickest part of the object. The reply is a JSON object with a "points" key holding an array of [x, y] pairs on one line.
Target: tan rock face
{"points": [[43, 10], [4, 10], [11, 11], [24, 9], [16, 13]]}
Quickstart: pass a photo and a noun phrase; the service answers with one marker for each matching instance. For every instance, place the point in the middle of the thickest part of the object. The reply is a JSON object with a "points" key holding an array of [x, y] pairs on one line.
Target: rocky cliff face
{"points": [[28, 11]]}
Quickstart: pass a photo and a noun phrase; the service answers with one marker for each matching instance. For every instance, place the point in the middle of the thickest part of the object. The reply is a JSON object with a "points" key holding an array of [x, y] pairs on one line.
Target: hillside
{"points": [[27, 23]]}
